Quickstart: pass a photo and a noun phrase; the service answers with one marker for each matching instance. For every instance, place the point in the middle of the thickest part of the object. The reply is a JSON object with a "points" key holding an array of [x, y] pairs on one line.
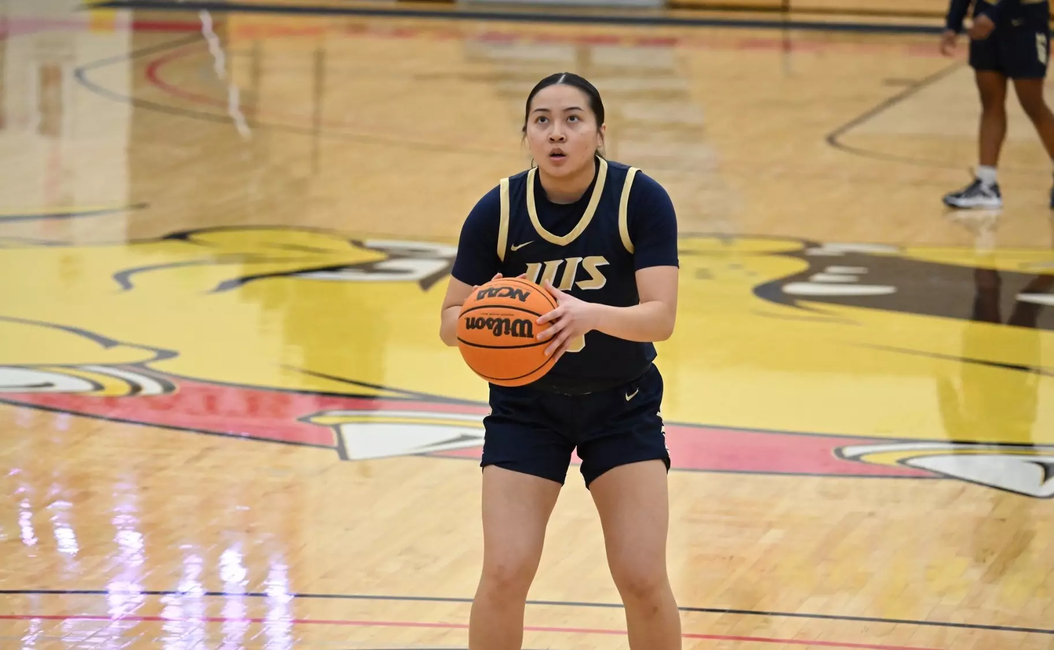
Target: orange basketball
{"points": [[497, 331]]}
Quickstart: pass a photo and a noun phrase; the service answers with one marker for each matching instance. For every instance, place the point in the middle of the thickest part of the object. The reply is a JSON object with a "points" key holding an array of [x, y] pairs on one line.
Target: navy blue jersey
{"points": [[590, 249]]}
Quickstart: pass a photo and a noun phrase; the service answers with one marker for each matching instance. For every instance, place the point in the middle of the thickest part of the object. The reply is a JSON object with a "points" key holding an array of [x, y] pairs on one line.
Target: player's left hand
{"points": [[981, 28], [571, 319]]}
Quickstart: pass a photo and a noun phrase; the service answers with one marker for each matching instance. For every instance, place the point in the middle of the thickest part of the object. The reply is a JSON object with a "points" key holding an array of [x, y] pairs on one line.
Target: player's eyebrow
{"points": [[566, 110]]}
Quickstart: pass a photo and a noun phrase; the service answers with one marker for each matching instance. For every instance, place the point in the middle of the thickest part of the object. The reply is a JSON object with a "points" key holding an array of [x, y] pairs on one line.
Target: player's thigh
{"points": [[516, 511], [521, 435], [625, 464], [633, 503], [991, 87], [989, 71], [525, 462]]}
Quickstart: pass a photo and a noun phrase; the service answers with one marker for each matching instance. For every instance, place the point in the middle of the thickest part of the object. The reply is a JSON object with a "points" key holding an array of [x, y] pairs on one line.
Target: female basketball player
{"points": [[602, 238], [1009, 39]]}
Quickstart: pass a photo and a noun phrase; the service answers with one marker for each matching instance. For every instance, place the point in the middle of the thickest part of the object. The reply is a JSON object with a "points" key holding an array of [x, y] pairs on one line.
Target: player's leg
{"points": [[984, 191], [634, 512], [524, 466], [516, 509], [625, 466], [991, 87]]}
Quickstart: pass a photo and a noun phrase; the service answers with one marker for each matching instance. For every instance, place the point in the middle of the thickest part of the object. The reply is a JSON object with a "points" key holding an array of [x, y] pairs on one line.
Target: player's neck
{"points": [[568, 189]]}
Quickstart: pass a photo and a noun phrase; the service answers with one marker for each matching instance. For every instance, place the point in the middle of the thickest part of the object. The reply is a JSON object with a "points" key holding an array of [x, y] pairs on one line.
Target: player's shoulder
{"points": [[642, 183], [645, 185], [647, 194], [486, 211]]}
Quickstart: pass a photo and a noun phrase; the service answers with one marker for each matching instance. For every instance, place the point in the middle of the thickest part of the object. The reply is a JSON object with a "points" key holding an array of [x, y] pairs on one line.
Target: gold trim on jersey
{"points": [[503, 219], [591, 208], [623, 210]]}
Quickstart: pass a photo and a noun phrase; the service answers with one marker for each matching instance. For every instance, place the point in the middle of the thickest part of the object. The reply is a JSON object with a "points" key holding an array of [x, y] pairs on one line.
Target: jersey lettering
{"points": [[539, 272]]}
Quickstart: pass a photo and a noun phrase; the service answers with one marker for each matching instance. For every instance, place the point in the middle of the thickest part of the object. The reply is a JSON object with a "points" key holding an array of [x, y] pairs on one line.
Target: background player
{"points": [[609, 256], [1009, 39]]}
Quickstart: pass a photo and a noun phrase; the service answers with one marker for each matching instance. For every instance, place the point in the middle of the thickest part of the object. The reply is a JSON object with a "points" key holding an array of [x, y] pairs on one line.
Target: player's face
{"points": [[562, 131]]}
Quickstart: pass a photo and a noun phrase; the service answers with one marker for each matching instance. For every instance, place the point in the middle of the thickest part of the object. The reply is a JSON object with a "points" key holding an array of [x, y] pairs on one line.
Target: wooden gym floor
{"points": [[226, 419]]}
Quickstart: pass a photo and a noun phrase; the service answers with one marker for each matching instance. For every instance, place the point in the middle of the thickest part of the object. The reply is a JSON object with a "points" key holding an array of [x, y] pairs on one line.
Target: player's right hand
{"points": [[982, 27], [948, 42]]}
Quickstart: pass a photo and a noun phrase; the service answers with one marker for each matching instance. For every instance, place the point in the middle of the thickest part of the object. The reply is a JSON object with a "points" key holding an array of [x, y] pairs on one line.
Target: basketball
{"points": [[497, 331]]}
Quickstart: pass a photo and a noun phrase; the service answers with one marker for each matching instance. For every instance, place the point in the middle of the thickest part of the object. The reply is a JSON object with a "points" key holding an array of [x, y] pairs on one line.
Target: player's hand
{"points": [[981, 28], [949, 39], [496, 276], [571, 319], [522, 276]]}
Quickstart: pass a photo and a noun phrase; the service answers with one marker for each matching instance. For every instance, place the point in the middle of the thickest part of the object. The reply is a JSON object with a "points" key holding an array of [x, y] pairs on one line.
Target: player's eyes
{"points": [[541, 119], [573, 118]]}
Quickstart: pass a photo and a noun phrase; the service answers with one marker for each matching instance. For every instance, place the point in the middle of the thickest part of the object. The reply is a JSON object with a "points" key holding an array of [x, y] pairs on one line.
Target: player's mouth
{"points": [[557, 156]]}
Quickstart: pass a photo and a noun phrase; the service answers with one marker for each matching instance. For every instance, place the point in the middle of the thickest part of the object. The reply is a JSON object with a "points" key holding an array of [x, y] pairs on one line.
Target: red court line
{"points": [[445, 626]]}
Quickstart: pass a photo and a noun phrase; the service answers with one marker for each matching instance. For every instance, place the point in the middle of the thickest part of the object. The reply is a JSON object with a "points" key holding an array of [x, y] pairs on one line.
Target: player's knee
{"points": [[639, 581], [509, 576], [1035, 108], [993, 106]]}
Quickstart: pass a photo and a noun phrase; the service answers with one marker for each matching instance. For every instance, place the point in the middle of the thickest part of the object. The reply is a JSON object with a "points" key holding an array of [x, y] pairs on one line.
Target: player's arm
{"points": [[456, 293], [953, 25], [476, 262], [995, 12], [651, 320], [957, 10], [653, 231]]}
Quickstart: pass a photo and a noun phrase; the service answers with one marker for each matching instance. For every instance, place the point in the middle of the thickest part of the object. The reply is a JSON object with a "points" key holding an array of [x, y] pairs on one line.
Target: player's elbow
{"points": [[447, 334], [665, 326], [448, 327], [450, 338]]}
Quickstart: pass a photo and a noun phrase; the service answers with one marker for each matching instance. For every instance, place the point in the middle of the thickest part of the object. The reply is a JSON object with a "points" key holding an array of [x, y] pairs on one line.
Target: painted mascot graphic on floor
{"points": [[790, 356]]}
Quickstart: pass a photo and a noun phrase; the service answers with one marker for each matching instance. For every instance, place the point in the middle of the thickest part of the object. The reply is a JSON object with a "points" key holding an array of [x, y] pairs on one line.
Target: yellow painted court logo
{"points": [[790, 357]]}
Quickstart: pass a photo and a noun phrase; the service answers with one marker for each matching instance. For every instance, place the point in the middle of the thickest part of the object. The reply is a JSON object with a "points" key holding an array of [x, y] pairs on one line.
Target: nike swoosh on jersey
{"points": [[519, 246], [630, 396]]}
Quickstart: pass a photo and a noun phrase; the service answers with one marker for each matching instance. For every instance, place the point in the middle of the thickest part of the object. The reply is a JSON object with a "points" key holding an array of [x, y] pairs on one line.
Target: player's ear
{"points": [[601, 132]]}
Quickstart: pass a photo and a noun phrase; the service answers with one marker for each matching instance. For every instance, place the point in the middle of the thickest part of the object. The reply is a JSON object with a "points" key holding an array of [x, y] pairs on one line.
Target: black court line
{"points": [[537, 603], [71, 213], [633, 20], [834, 138]]}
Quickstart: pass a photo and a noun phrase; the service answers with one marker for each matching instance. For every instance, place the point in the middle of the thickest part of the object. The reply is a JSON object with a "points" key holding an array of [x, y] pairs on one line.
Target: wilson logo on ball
{"points": [[521, 328], [503, 292], [496, 331]]}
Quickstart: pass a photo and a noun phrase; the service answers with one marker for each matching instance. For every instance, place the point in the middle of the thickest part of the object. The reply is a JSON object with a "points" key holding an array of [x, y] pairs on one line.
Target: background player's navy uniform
{"points": [[1019, 46], [604, 397]]}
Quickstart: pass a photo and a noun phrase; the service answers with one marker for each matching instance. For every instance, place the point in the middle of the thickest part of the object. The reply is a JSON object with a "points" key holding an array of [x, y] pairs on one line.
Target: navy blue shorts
{"points": [[534, 432], [1015, 51]]}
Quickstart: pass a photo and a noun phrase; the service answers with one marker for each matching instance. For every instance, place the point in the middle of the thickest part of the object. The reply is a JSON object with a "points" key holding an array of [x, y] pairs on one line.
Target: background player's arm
{"points": [[953, 25], [957, 10]]}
